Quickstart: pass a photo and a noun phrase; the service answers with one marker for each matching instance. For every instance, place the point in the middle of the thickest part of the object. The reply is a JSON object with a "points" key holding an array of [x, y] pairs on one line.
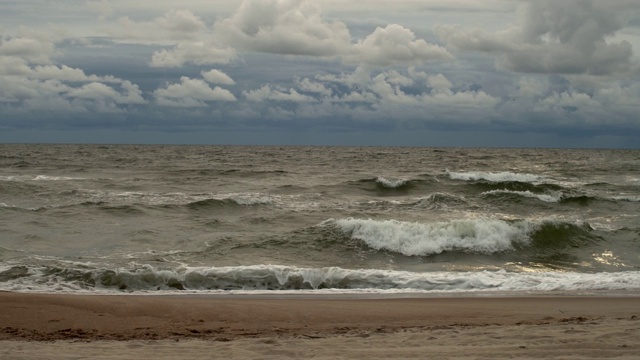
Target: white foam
{"points": [[279, 278], [632, 198], [495, 177], [391, 184], [441, 197], [543, 197], [250, 199], [416, 239], [38, 178], [55, 178]]}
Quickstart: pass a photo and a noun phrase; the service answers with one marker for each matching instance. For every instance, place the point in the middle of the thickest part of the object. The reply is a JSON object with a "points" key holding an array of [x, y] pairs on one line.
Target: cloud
{"points": [[217, 77], [540, 102], [314, 87], [131, 93], [199, 53], [191, 92], [51, 96], [563, 37], [32, 50], [440, 83], [173, 25], [326, 65], [189, 38], [411, 6], [532, 88], [268, 92], [296, 27], [396, 45], [29, 81], [66, 73], [17, 66], [382, 97], [284, 27], [291, 27]]}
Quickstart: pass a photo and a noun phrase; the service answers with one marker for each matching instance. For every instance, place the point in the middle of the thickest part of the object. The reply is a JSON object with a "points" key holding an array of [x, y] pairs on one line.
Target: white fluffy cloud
{"points": [[565, 37], [196, 52], [173, 25], [285, 27], [129, 94], [33, 50], [215, 76], [268, 92], [395, 44], [188, 38], [296, 27], [30, 81], [382, 96], [293, 27], [57, 96], [191, 92]]}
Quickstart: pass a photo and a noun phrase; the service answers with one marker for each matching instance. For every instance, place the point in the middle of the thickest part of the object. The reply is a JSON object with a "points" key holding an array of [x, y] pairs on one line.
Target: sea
{"points": [[160, 219]]}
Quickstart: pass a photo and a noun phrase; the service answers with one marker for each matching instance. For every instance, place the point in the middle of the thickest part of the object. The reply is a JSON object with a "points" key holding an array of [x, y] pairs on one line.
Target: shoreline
{"points": [[238, 327], [45, 317]]}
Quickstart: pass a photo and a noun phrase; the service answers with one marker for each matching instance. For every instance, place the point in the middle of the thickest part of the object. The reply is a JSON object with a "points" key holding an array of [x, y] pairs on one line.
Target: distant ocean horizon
{"points": [[157, 219]]}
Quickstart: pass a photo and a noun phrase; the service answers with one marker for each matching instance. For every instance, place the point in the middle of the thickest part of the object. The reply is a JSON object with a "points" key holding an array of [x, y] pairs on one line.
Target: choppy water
{"points": [[91, 218]]}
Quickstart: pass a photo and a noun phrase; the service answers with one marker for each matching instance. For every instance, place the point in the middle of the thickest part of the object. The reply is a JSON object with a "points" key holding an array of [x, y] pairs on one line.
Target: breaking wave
{"points": [[495, 177], [557, 196], [146, 278], [391, 184], [630, 198], [384, 185], [21, 178], [528, 194], [485, 236]]}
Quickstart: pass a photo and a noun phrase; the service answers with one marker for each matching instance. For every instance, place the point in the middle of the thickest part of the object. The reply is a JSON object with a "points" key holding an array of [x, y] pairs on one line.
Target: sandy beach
{"points": [[62, 326]]}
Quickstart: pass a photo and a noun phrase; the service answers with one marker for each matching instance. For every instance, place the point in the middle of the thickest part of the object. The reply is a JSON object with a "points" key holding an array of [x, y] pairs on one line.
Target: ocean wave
{"points": [[630, 198], [495, 177], [384, 185], [485, 236], [224, 202], [416, 239], [518, 186], [22, 178], [135, 202], [578, 199], [178, 198], [146, 278], [391, 184], [438, 200], [434, 201], [551, 198]]}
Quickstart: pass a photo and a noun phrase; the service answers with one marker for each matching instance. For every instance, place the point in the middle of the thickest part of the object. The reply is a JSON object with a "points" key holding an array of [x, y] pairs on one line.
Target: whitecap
{"points": [[543, 197], [632, 198], [495, 177], [391, 184], [417, 239], [269, 278]]}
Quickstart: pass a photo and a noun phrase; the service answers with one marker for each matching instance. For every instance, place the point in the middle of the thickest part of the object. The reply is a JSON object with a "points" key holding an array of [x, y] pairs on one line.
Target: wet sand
{"points": [[185, 326]]}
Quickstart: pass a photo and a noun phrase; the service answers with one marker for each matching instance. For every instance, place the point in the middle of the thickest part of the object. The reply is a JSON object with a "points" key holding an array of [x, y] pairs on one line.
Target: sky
{"points": [[475, 73]]}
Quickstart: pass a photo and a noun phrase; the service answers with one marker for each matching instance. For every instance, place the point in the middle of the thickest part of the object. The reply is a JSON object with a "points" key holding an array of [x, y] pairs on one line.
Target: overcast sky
{"points": [[543, 73]]}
